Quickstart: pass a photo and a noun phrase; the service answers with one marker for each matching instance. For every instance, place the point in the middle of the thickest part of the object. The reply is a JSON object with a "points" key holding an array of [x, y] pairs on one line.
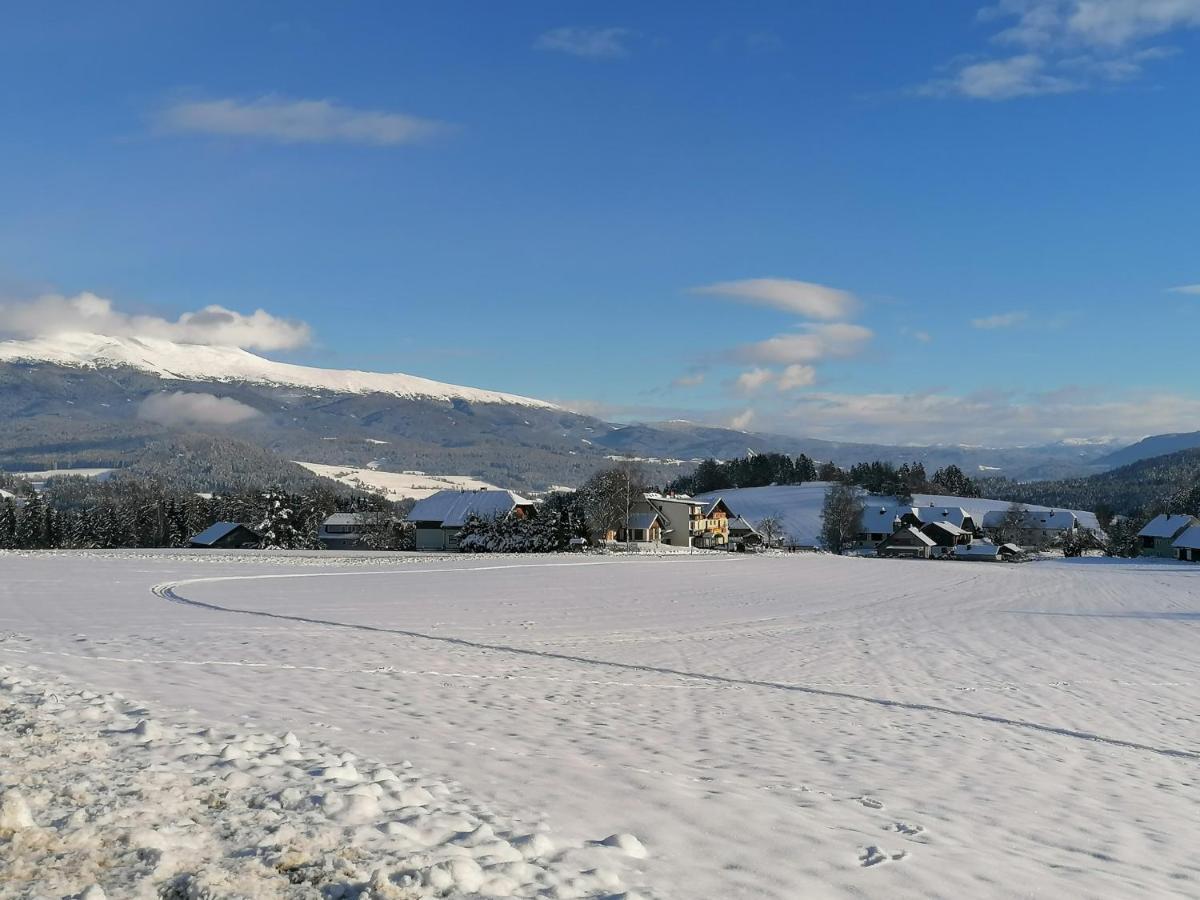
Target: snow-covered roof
{"points": [[6, 495], [1189, 540], [345, 519], [949, 527], [712, 505], [452, 508], [643, 521], [215, 532], [200, 362], [881, 518], [1167, 526], [909, 529], [689, 501], [737, 523], [1049, 520], [956, 515], [984, 549]]}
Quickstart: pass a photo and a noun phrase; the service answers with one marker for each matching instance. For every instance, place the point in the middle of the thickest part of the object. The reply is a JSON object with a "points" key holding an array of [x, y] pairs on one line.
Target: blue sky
{"points": [[848, 220]]}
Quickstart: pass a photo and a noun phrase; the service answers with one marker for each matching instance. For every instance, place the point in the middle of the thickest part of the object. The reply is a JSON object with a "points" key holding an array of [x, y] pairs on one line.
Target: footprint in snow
{"points": [[874, 856], [905, 828], [870, 802]]}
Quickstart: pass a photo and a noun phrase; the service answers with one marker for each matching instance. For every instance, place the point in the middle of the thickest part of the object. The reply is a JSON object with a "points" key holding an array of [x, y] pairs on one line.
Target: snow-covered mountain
{"points": [[197, 362]]}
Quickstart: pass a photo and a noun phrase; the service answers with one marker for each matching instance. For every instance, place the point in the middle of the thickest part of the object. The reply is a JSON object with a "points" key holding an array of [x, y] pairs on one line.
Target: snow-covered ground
{"points": [[397, 485], [776, 726]]}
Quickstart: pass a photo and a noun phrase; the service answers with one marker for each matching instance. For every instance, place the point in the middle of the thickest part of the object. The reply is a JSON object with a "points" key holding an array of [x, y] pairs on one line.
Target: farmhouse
{"points": [[344, 531], [1036, 528], [880, 521], [1187, 545], [955, 515], [946, 536], [1158, 537], [986, 551], [907, 542], [643, 527], [742, 534], [226, 536], [440, 517]]}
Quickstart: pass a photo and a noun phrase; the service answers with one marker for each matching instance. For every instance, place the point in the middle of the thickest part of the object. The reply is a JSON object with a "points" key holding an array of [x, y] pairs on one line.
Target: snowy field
{"points": [[397, 485], [676, 727]]}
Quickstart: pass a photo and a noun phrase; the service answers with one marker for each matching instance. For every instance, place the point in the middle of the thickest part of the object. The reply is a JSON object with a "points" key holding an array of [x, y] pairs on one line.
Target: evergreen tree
{"points": [[8, 524]]}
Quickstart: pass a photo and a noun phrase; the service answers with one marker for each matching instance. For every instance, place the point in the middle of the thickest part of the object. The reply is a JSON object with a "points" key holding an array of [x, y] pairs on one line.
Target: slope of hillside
{"points": [[197, 362], [1141, 486], [396, 485], [1148, 448]]}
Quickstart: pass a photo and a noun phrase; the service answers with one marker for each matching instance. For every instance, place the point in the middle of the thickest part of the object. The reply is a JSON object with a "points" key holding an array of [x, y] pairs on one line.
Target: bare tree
{"points": [[609, 495], [841, 517], [771, 529]]}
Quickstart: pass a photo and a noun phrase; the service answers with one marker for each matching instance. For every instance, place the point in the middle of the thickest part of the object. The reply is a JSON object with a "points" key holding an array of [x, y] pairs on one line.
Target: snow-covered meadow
{"points": [[675, 727]]}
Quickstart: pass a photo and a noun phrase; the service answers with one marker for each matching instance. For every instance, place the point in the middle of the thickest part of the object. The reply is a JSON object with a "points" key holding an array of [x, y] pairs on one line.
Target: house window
{"points": [[1148, 543], [341, 529]]}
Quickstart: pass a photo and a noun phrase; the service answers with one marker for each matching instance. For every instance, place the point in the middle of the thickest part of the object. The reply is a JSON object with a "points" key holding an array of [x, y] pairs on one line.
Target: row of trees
{"points": [[77, 513], [761, 469]]}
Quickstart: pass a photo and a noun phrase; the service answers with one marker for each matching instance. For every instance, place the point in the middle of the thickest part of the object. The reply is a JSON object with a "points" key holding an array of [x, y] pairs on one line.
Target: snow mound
{"points": [[91, 808]]}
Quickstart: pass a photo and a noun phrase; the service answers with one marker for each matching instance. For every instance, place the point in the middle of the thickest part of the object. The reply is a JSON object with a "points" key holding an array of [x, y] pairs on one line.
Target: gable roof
{"points": [[713, 505], [644, 521], [1167, 526], [955, 515], [1190, 539], [985, 549], [882, 518], [948, 527], [451, 509], [1050, 520], [343, 518], [217, 531], [737, 523], [909, 530]]}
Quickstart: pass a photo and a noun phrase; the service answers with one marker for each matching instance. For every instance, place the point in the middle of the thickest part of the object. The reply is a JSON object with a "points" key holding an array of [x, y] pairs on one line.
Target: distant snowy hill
{"points": [[197, 362], [1148, 448]]}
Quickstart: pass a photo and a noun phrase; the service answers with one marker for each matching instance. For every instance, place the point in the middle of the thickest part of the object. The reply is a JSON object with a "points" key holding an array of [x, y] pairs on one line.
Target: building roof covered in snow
{"points": [[955, 515], [6, 495], [948, 527], [1046, 520], [1167, 526], [1189, 540], [216, 532], [345, 518], [908, 531], [985, 550], [881, 518], [644, 521], [451, 509]]}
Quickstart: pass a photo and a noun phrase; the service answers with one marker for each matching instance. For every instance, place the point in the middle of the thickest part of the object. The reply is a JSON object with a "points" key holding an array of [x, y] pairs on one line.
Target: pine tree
{"points": [[8, 524]]}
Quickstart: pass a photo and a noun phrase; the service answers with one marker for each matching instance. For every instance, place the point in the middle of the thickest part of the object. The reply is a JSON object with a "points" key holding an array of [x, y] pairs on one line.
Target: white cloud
{"points": [[55, 314], [1066, 45], [183, 408], [691, 379], [742, 420], [796, 376], [753, 379], [923, 336], [1003, 79], [297, 121], [813, 301], [1000, 320], [587, 42], [1185, 289], [993, 418], [811, 344]]}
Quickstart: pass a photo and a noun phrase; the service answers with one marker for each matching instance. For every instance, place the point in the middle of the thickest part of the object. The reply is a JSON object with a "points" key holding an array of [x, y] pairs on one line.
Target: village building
{"points": [[440, 517], [955, 515], [1158, 537], [344, 531], [986, 551], [688, 522], [907, 543], [226, 536], [946, 536], [879, 522], [1037, 528], [742, 534], [642, 527], [1187, 545]]}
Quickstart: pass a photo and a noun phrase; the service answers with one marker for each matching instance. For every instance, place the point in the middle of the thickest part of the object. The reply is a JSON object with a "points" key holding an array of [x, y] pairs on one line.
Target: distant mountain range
{"points": [[1147, 448], [94, 400]]}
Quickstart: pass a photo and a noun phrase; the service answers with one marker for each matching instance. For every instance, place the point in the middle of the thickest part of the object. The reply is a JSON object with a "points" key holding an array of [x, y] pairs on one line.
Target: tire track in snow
{"points": [[168, 591]]}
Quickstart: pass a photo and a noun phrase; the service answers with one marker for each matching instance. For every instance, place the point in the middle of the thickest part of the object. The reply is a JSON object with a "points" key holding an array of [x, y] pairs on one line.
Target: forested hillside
{"points": [[1169, 483]]}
